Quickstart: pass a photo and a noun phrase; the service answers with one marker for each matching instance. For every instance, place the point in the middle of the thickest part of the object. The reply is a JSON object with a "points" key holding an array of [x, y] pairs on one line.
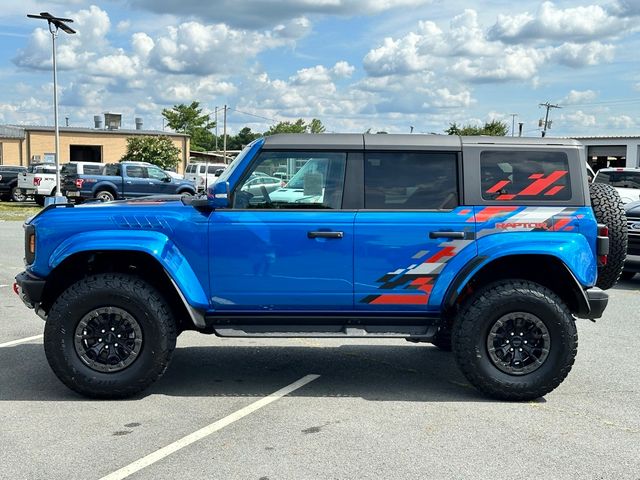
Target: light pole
{"points": [[55, 24]]}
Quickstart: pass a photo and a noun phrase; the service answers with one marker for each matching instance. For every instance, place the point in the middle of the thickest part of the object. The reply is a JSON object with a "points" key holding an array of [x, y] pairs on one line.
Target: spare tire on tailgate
{"points": [[609, 210]]}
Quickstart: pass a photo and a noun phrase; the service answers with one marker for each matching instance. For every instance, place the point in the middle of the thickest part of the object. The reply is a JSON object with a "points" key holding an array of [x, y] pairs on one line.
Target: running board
{"points": [[325, 331], [337, 325]]}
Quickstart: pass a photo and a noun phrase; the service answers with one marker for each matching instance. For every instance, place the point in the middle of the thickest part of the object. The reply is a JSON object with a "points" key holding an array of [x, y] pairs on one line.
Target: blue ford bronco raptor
{"points": [[490, 247]]}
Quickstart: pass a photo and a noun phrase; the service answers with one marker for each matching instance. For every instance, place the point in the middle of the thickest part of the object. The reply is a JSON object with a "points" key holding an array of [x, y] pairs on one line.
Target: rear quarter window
{"points": [[92, 169], [524, 175]]}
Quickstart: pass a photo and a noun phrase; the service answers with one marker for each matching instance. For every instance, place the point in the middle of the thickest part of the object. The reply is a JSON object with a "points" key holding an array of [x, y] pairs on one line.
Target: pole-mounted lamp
{"points": [[55, 24]]}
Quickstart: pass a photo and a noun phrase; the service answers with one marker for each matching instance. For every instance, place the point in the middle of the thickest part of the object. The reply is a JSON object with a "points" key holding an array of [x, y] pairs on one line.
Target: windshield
{"points": [[622, 179]]}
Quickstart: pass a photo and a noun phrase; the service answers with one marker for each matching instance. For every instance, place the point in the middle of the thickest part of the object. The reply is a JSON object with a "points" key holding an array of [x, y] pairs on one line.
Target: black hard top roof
{"points": [[358, 141]]}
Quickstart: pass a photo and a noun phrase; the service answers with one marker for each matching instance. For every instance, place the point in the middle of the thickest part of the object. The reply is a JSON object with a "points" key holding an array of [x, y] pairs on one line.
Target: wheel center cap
{"points": [[516, 342], [110, 337]]}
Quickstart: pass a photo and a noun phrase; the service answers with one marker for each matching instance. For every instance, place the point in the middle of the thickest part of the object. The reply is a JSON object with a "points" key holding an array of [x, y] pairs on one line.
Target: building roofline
{"points": [[120, 131]]}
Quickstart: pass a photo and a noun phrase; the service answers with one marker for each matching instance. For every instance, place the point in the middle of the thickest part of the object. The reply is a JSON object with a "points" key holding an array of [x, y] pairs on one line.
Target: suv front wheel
{"points": [[109, 336], [515, 340]]}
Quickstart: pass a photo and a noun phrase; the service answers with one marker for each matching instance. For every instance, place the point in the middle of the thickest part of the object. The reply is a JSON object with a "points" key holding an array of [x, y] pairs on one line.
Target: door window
{"points": [[135, 171], [156, 173], [293, 180], [410, 181]]}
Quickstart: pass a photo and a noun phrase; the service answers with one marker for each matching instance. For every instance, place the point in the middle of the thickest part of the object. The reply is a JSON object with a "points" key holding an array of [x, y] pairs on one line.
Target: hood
{"points": [[633, 209]]}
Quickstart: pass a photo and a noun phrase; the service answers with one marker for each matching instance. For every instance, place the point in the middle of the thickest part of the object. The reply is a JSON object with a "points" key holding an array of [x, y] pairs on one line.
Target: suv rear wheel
{"points": [[109, 336], [515, 340]]}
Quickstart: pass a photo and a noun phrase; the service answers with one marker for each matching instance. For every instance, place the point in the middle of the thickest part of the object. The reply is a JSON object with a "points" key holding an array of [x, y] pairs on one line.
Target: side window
{"points": [[113, 169], [293, 180], [92, 169], [156, 173], [202, 168], [524, 175], [135, 171], [410, 181]]}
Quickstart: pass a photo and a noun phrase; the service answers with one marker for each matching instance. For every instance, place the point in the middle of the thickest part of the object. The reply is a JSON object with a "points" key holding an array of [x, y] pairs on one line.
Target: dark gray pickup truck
{"points": [[9, 183]]}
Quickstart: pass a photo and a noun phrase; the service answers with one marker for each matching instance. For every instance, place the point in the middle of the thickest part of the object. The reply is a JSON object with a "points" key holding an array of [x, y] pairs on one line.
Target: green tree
{"points": [[299, 126], [242, 139], [159, 151], [189, 119], [316, 126], [493, 128]]}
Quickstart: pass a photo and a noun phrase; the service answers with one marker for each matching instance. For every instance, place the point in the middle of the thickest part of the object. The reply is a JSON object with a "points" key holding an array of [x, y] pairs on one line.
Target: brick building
{"points": [[23, 145]]}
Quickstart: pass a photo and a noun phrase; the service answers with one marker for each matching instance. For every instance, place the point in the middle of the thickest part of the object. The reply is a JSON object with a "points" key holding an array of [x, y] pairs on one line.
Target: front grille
{"points": [[633, 247]]}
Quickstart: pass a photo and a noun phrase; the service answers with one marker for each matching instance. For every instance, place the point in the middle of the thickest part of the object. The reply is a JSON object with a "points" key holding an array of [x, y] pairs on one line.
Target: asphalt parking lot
{"points": [[377, 409]]}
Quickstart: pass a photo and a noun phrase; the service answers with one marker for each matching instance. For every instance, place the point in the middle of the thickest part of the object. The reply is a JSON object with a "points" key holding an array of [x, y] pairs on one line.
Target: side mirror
{"points": [[167, 179], [219, 195]]}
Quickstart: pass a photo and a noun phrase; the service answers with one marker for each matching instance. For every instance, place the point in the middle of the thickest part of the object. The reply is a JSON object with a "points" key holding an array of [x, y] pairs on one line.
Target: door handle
{"points": [[324, 234], [460, 235]]}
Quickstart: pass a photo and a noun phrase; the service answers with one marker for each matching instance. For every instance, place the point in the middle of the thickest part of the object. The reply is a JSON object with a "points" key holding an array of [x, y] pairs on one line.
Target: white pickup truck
{"points": [[203, 174], [38, 181]]}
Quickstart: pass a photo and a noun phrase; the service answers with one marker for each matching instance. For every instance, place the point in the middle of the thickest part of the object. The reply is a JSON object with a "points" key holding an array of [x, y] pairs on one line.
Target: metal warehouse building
{"points": [[23, 145], [614, 151]]}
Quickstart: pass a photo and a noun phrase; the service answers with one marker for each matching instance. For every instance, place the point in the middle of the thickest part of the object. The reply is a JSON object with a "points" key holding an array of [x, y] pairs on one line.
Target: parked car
{"points": [[203, 174], [124, 180], [625, 180], [632, 263], [488, 246], [38, 181], [175, 175], [9, 183]]}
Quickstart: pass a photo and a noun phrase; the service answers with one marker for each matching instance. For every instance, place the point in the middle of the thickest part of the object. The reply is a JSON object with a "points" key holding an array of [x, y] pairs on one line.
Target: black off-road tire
{"points": [[490, 304], [123, 291], [39, 199], [609, 210]]}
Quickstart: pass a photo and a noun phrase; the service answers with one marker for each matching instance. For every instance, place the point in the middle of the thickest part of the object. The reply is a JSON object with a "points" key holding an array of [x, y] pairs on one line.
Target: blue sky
{"points": [[355, 64]]}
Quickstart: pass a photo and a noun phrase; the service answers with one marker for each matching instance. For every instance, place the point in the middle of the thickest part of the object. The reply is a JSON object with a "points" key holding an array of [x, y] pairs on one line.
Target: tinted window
{"points": [[213, 169], [524, 175], [202, 168], [135, 171], [622, 179], [92, 169], [69, 169], [306, 180], [410, 181], [113, 169]]}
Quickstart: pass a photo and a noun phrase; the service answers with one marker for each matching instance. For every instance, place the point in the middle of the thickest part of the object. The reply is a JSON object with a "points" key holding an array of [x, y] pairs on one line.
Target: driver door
{"points": [[281, 248]]}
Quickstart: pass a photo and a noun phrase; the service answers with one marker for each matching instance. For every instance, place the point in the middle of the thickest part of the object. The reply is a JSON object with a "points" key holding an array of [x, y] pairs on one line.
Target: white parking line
{"points": [[208, 430], [21, 340]]}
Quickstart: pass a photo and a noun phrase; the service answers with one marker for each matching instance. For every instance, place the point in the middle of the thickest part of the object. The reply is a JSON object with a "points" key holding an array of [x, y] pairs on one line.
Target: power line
{"points": [[607, 102], [253, 114]]}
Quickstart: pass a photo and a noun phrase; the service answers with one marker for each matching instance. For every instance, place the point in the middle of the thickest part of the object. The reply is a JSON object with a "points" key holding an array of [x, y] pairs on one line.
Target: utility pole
{"points": [[216, 115], [224, 133], [55, 23], [547, 123], [513, 124]]}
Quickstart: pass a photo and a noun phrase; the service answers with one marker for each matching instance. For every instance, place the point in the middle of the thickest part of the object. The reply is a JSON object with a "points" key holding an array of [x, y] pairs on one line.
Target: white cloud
{"points": [[579, 118], [579, 96], [580, 23], [622, 122], [580, 55]]}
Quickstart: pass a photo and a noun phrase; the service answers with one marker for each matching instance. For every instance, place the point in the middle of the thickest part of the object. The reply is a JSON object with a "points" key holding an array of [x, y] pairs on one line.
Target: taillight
{"points": [[79, 182], [36, 181], [602, 244], [29, 244]]}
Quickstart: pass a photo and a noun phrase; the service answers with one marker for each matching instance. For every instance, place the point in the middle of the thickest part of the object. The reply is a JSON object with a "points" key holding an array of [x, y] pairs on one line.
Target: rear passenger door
{"points": [[411, 229]]}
